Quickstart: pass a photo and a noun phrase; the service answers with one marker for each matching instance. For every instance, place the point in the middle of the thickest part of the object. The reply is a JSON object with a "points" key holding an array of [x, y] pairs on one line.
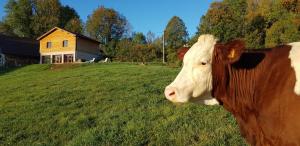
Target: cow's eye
{"points": [[203, 63]]}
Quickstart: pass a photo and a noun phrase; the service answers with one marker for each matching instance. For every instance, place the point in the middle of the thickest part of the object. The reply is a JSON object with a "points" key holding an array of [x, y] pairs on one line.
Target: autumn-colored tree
{"points": [[282, 32], [225, 20], [176, 36], [261, 23], [291, 5], [124, 50]]}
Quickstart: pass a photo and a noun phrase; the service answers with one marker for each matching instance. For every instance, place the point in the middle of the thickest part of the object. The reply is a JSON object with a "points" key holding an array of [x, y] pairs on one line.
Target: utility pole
{"points": [[163, 47]]}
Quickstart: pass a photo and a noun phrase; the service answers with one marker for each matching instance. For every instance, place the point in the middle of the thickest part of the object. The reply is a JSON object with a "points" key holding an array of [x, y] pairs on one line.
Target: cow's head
{"points": [[194, 83]]}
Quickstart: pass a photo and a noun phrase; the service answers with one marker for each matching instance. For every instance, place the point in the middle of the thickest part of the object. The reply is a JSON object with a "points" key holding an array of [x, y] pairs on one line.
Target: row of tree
{"points": [[261, 23], [31, 18], [113, 31]]}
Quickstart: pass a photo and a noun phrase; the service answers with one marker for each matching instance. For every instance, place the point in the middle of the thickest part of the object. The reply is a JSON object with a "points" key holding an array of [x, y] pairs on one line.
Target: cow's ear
{"points": [[232, 51]]}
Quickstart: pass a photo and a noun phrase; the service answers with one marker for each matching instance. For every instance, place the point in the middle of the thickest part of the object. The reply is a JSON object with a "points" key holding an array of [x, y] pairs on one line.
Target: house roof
{"points": [[19, 46], [76, 34]]}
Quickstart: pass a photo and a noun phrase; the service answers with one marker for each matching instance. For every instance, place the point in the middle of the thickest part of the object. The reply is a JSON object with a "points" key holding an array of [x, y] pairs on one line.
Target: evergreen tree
{"points": [[47, 16], [176, 36], [74, 25], [19, 17], [32, 18], [5, 29], [67, 14]]}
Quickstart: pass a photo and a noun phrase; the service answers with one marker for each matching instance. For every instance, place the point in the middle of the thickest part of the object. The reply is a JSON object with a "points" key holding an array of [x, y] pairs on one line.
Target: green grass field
{"points": [[104, 104]]}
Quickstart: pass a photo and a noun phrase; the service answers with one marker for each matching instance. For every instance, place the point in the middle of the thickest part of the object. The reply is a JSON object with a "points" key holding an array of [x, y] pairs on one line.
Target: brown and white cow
{"points": [[259, 87]]}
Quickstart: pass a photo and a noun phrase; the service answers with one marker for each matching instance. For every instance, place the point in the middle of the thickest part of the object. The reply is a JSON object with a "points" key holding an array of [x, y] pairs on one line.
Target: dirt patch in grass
{"points": [[59, 67]]}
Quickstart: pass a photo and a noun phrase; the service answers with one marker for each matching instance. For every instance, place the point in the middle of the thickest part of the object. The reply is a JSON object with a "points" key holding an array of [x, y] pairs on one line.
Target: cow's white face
{"points": [[194, 82]]}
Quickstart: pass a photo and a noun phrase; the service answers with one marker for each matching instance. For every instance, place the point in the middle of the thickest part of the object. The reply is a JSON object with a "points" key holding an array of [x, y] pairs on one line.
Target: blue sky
{"points": [[144, 15]]}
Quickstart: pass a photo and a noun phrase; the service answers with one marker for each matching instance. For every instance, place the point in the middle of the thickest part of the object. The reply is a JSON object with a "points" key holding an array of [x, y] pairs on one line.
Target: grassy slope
{"points": [[116, 104]]}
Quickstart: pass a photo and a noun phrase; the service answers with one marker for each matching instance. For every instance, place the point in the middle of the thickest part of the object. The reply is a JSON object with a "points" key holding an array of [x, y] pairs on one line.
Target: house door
{"points": [[56, 59], [68, 58]]}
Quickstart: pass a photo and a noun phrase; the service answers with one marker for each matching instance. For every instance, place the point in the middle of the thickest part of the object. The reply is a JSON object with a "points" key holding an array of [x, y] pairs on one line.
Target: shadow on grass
{"points": [[32, 67], [4, 70]]}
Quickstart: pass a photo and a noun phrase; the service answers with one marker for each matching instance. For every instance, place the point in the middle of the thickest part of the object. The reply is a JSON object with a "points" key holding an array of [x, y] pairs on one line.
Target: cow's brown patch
{"points": [[257, 88]]}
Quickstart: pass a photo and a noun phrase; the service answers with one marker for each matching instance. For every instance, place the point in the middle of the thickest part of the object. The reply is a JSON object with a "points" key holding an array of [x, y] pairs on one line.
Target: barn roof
{"points": [[19, 46], [76, 34]]}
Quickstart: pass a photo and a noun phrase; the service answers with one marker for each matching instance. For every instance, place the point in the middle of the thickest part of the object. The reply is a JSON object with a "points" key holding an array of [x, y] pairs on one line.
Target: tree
{"points": [[261, 23], [150, 37], [18, 18], [5, 29], [74, 25], [32, 18], [69, 19], [256, 32], [47, 15], [176, 36], [67, 14], [157, 44], [124, 50], [107, 26], [144, 53], [281, 32], [225, 20], [139, 38], [193, 39], [291, 5]]}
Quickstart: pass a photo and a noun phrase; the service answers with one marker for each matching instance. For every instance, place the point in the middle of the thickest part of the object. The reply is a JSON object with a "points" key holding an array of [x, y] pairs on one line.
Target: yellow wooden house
{"points": [[62, 46]]}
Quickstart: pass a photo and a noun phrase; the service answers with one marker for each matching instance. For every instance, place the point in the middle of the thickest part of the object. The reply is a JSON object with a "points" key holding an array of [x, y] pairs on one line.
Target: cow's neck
{"points": [[235, 89]]}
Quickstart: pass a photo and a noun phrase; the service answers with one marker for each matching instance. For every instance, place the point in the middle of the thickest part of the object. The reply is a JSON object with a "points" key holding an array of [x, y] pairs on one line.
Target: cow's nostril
{"points": [[172, 93]]}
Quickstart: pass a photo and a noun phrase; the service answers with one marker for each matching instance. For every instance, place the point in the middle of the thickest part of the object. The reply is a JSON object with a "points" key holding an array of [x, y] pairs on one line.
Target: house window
{"points": [[65, 43], [56, 59], [46, 59], [68, 58], [49, 44]]}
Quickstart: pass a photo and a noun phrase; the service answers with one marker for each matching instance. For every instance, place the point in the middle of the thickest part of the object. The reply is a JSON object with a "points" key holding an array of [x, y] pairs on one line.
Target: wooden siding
{"points": [[87, 46], [56, 38]]}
